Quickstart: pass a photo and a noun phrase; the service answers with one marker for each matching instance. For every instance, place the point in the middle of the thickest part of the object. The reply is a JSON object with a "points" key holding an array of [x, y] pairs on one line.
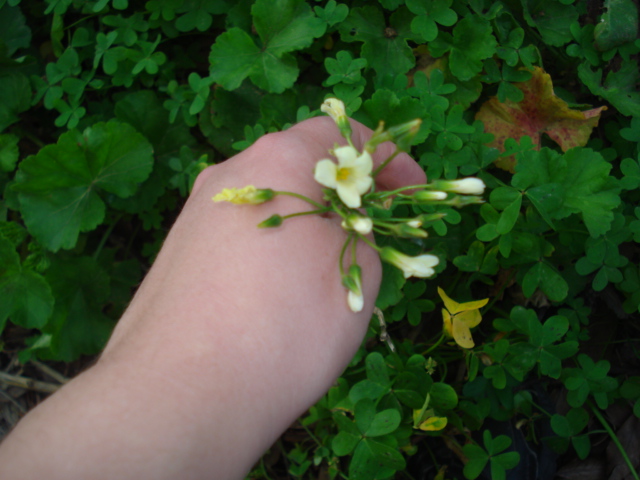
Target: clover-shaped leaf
{"points": [[235, 55], [471, 43]]}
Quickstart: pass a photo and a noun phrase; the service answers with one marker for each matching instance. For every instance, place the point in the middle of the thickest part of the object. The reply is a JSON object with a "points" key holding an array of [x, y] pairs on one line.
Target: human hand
{"points": [[233, 334]]}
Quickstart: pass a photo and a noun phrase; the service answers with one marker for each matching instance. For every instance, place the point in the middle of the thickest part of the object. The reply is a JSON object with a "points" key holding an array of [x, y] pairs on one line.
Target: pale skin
{"points": [[233, 334]]}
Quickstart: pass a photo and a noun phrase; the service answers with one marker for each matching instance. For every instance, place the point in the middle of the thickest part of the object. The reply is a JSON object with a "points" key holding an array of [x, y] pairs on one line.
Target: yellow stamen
{"points": [[343, 174]]}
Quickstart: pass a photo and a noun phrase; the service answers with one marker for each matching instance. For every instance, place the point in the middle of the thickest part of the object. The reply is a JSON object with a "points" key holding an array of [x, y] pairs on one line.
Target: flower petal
{"points": [[356, 302], [326, 173], [447, 325], [346, 155], [470, 318], [462, 334], [450, 304], [349, 195]]}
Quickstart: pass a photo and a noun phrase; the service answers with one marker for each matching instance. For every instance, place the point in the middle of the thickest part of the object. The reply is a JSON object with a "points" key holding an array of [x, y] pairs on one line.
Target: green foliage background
{"points": [[110, 108]]}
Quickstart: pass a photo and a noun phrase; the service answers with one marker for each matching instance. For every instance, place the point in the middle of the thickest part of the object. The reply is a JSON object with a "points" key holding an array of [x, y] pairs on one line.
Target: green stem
{"points": [[105, 236], [385, 163], [300, 214], [410, 187], [370, 243], [614, 438], [354, 260], [342, 252], [302, 197], [434, 346]]}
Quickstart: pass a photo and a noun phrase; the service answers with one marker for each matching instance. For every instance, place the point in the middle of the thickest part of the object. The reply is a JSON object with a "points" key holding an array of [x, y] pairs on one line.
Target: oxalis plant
{"points": [[524, 341], [350, 191]]}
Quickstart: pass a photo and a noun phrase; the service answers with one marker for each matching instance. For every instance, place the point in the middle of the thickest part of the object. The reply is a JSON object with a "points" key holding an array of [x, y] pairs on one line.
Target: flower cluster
{"points": [[350, 191]]}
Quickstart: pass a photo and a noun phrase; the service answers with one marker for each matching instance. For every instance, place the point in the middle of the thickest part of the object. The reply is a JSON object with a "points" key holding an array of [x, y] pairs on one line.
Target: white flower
{"points": [[415, 223], [467, 186], [420, 266], [351, 177], [334, 108], [362, 225]]}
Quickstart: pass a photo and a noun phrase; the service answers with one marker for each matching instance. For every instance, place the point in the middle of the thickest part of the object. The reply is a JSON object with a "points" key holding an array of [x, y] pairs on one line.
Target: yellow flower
{"points": [[351, 177], [245, 195], [459, 318]]}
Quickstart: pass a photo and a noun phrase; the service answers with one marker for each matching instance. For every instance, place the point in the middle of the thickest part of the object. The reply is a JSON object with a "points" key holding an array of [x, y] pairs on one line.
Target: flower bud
{"points": [[465, 186], [429, 196], [403, 135], [461, 201], [362, 225], [420, 266], [335, 109], [245, 195], [404, 230], [271, 222], [353, 282]]}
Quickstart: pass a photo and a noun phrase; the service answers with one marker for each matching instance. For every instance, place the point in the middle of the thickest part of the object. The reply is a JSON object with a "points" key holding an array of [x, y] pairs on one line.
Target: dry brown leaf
{"points": [[541, 111]]}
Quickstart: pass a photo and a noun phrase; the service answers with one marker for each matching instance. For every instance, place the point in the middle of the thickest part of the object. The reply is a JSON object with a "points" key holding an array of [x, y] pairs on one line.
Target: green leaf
{"points": [[443, 396], [478, 459], [14, 33], [384, 105], [283, 26], [582, 179], [619, 87], [509, 216], [15, 98], [375, 458], [78, 326], [427, 14], [619, 24], [344, 443], [25, 296], [384, 45], [552, 19], [384, 423], [8, 152], [391, 287], [59, 188], [344, 68], [332, 13], [547, 278], [199, 14], [471, 43]]}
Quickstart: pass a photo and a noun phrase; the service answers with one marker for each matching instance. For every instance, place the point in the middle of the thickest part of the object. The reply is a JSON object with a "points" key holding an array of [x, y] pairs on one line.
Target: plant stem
{"points": [[368, 242], [434, 346], [614, 438], [105, 236], [300, 214], [385, 163], [302, 197], [342, 252]]}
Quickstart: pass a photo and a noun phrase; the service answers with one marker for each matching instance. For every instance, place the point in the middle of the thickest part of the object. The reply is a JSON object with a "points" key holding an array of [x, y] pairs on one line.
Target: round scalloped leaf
{"points": [[59, 188]]}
